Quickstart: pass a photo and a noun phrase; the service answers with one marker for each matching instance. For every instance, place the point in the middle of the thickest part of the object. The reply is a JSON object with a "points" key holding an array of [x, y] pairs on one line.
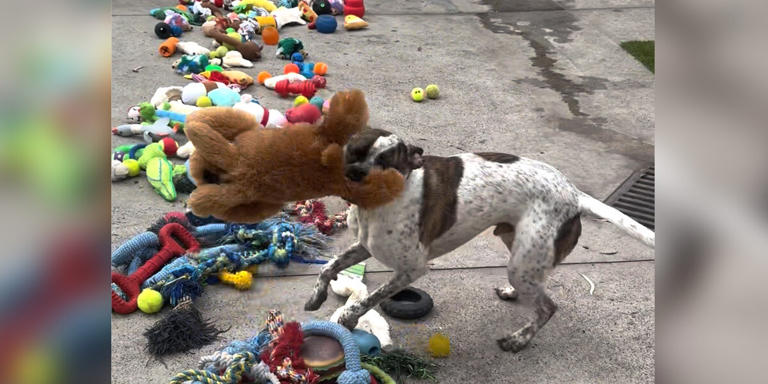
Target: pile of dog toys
{"points": [[306, 353], [239, 30]]}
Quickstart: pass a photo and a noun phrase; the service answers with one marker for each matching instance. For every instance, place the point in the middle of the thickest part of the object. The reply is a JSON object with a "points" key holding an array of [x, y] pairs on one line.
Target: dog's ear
{"points": [[415, 156]]}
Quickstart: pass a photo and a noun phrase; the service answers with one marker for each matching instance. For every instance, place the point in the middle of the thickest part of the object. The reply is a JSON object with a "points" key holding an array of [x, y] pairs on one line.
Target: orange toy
{"points": [[291, 68], [246, 173], [263, 75], [269, 35], [321, 68], [168, 47]]}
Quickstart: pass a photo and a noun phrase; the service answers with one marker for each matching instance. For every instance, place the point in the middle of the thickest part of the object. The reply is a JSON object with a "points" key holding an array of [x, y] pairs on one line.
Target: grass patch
{"points": [[643, 51]]}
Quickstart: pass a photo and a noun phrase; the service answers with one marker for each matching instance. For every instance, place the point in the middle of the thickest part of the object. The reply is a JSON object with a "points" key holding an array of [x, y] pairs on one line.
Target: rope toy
{"points": [[243, 362], [131, 284], [314, 212]]}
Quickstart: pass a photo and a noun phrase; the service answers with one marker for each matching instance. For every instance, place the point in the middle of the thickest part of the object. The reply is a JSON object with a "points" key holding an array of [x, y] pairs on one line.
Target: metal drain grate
{"points": [[635, 197]]}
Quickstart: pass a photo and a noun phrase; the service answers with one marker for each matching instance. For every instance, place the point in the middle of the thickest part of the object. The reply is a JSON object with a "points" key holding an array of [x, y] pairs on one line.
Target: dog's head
{"points": [[377, 148]]}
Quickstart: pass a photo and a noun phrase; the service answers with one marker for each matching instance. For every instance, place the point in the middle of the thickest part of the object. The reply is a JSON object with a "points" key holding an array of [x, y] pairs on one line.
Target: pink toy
{"points": [[305, 113]]}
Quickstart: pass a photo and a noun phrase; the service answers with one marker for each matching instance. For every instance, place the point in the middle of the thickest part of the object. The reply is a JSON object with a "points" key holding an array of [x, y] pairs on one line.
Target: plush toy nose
{"points": [[355, 173]]}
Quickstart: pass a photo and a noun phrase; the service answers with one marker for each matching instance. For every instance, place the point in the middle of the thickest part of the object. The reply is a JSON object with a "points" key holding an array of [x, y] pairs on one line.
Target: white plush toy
{"points": [[164, 95], [179, 107], [193, 91], [235, 59], [270, 118], [293, 76], [185, 150], [372, 322], [192, 48]]}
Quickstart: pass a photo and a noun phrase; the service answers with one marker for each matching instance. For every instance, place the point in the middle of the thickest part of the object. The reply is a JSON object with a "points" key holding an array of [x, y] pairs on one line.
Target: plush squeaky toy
{"points": [[246, 173]]}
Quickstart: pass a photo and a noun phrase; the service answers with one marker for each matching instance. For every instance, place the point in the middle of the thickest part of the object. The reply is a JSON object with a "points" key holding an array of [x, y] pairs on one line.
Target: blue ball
{"points": [[176, 30], [326, 24], [297, 57], [317, 101]]}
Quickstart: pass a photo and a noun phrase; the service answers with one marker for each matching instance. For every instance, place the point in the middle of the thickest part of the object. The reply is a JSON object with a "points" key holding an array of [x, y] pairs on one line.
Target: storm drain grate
{"points": [[635, 197]]}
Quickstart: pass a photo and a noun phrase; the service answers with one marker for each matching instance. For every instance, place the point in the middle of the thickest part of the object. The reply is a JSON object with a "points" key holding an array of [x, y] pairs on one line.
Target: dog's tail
{"points": [[588, 204]]}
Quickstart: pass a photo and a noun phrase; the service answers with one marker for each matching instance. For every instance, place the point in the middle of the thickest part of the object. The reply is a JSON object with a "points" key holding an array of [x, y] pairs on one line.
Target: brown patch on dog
{"points": [[442, 176], [496, 157], [567, 237]]}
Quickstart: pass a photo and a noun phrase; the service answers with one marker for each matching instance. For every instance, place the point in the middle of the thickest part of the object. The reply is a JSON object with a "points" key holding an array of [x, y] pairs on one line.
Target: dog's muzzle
{"points": [[355, 173]]}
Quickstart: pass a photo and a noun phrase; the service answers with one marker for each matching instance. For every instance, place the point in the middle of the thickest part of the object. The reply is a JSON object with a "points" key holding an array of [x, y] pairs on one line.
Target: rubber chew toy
{"points": [[305, 88], [354, 373], [241, 280], [168, 47], [131, 285]]}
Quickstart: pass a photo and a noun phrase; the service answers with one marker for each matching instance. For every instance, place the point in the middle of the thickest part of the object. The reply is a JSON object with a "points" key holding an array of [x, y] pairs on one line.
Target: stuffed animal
{"points": [[151, 132], [246, 173], [249, 49], [288, 46], [270, 118]]}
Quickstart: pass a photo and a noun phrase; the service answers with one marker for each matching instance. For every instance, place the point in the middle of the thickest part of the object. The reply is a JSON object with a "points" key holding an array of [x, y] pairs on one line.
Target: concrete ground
{"points": [[542, 79]]}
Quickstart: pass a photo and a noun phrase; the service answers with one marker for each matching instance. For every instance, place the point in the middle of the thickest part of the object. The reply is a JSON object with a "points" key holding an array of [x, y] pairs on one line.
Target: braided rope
{"points": [[242, 363]]}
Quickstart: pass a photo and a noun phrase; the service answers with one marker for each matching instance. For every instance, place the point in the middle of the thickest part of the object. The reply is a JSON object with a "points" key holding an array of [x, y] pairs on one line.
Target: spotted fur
{"points": [[447, 202]]}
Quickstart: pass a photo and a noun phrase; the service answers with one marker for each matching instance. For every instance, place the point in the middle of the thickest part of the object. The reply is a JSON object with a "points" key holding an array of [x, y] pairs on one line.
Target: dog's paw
{"points": [[316, 301], [348, 319], [506, 293], [512, 344]]}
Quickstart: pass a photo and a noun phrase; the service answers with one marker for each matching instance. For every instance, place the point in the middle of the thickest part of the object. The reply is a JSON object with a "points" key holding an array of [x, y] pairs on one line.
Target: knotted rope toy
{"points": [[314, 212], [131, 285]]}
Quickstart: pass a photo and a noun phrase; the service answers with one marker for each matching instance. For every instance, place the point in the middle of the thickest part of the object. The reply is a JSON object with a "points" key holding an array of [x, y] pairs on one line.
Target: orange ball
{"points": [[263, 75], [182, 7], [321, 68], [291, 68], [270, 35]]}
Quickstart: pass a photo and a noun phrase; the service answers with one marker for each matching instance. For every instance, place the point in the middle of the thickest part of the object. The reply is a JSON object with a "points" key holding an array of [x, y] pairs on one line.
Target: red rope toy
{"points": [[131, 285], [314, 212]]}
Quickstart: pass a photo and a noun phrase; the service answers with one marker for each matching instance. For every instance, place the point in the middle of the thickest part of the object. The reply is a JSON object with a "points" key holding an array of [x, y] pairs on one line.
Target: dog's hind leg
{"points": [[355, 254], [533, 254]]}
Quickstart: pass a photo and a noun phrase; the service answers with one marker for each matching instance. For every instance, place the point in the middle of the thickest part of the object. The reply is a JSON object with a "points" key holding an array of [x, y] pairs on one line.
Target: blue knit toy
{"points": [[354, 373]]}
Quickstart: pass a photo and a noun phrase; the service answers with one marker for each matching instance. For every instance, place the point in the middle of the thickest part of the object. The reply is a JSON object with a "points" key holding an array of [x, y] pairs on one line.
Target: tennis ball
{"points": [[133, 167], [300, 100], [203, 101], [150, 301], [433, 92], [439, 345], [417, 94]]}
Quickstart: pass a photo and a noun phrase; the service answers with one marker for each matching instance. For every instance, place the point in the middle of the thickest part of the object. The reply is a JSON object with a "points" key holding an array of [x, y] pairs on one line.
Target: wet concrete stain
{"points": [[535, 29]]}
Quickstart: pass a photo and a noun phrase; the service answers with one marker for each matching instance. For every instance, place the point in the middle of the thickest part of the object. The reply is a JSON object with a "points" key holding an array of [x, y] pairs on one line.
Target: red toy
{"points": [[306, 88], [305, 113], [131, 285], [354, 7]]}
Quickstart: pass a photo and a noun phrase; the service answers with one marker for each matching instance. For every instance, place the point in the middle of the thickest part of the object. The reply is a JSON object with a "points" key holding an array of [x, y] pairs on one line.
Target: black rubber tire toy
{"points": [[410, 303], [163, 30]]}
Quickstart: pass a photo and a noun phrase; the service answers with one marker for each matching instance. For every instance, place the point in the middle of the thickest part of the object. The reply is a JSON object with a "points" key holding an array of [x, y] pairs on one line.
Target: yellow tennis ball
{"points": [[417, 94], [439, 345], [150, 301], [203, 101], [433, 92], [300, 100], [133, 167]]}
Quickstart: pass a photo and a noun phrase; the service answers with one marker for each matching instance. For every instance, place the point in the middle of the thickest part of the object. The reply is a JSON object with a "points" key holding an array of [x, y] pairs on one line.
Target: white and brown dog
{"points": [[449, 200]]}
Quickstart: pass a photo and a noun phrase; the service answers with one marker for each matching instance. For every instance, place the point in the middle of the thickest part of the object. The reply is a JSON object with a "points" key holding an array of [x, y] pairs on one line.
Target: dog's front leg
{"points": [[353, 255], [353, 312]]}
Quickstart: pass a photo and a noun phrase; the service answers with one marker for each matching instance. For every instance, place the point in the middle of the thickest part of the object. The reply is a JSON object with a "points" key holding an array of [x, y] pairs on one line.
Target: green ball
{"points": [[417, 94], [150, 301], [433, 92]]}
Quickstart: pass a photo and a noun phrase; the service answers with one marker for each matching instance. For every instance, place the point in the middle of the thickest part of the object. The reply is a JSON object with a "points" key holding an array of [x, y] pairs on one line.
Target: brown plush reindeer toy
{"points": [[246, 173]]}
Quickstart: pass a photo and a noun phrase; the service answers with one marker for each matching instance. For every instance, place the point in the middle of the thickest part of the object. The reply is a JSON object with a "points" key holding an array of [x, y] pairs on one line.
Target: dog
{"points": [[447, 201]]}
